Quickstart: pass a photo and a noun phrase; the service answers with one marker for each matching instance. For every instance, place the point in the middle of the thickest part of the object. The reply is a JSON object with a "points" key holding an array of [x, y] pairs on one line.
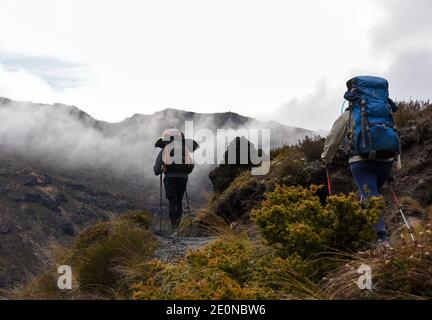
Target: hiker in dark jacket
{"points": [[370, 175], [175, 179]]}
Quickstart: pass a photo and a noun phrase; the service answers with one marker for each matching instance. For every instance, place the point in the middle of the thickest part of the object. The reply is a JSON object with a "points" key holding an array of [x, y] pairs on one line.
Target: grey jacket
{"points": [[158, 169], [335, 139]]}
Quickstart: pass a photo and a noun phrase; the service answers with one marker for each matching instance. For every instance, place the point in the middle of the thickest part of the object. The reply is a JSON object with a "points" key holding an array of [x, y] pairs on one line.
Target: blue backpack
{"points": [[373, 135]]}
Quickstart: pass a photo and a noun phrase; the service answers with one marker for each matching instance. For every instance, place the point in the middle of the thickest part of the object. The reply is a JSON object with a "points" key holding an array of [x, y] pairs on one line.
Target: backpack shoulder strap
{"points": [[349, 131]]}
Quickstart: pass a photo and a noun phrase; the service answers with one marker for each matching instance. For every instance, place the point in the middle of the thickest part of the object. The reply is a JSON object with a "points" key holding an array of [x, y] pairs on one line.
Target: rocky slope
{"points": [[41, 210]]}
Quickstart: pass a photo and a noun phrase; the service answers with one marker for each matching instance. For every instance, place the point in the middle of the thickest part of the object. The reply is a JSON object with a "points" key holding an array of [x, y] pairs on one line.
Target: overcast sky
{"points": [[282, 60]]}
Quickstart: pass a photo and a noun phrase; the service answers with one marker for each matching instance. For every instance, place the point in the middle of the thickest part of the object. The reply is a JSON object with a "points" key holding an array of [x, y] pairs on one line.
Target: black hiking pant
{"points": [[175, 188]]}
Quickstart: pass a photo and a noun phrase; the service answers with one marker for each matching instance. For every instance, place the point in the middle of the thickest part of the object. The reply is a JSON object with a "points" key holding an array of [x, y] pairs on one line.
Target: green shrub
{"points": [[312, 147], [298, 165], [293, 220]]}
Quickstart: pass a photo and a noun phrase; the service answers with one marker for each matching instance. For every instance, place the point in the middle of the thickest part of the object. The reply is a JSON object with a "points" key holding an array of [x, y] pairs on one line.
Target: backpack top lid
{"points": [[368, 82], [368, 87], [168, 136]]}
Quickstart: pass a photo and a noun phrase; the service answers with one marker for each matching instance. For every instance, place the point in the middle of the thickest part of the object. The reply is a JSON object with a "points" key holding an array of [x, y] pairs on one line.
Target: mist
{"points": [[66, 138]]}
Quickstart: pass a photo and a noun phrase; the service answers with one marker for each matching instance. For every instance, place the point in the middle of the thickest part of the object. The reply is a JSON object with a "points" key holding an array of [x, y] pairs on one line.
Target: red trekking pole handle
{"points": [[328, 182]]}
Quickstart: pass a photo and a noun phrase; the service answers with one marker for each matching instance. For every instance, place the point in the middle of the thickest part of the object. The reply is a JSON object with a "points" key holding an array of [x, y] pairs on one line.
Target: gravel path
{"points": [[171, 249]]}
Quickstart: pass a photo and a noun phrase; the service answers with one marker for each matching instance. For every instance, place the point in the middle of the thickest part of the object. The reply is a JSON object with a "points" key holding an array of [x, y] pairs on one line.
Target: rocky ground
{"points": [[171, 249]]}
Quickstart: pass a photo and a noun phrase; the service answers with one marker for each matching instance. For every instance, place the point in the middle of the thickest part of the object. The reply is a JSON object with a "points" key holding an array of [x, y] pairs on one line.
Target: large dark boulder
{"points": [[223, 175]]}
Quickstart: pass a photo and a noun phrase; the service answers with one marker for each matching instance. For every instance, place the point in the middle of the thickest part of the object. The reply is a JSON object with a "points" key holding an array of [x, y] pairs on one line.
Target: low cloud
{"points": [[411, 75], [400, 50], [24, 85], [404, 39], [56, 73], [405, 25], [67, 137], [315, 111]]}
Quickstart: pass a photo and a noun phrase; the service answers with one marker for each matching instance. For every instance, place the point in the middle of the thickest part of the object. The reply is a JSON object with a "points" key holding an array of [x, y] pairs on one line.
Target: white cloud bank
{"points": [[281, 60]]}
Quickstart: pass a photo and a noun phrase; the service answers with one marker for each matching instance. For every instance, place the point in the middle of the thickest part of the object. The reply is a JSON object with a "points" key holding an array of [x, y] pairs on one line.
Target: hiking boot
{"points": [[382, 235], [383, 241], [384, 244]]}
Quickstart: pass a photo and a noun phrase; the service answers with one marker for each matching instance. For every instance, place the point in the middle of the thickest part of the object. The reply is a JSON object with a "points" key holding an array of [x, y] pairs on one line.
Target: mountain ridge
{"points": [[163, 112], [62, 170]]}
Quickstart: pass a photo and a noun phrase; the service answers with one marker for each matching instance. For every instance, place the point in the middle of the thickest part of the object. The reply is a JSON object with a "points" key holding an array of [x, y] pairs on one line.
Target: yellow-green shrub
{"points": [[220, 270], [229, 268], [294, 221]]}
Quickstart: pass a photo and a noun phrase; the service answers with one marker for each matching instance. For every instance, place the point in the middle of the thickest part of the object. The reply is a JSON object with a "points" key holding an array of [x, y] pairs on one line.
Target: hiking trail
{"points": [[171, 249]]}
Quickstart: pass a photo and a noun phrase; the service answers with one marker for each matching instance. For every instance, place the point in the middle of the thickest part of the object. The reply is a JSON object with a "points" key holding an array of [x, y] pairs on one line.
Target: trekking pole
{"points": [[402, 214], [189, 210], [328, 181], [160, 203]]}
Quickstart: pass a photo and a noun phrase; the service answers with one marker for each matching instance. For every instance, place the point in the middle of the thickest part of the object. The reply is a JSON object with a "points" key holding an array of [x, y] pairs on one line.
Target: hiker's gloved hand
{"points": [[157, 171], [393, 171], [322, 160]]}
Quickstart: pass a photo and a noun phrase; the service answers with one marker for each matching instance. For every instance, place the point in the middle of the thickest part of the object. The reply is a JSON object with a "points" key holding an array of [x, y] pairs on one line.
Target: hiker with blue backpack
{"points": [[370, 138]]}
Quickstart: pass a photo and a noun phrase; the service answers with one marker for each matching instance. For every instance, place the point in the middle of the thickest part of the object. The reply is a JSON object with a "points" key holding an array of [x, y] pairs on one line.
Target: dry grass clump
{"points": [[403, 272], [413, 112], [228, 205], [312, 147], [105, 261]]}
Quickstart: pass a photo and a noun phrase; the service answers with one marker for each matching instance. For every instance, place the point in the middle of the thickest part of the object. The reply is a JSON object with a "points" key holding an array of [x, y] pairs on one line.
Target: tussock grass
{"points": [[403, 272], [105, 259], [412, 207]]}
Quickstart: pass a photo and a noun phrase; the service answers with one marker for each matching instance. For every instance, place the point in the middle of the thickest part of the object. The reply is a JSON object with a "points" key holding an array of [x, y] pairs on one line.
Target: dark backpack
{"points": [[174, 147], [372, 133]]}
